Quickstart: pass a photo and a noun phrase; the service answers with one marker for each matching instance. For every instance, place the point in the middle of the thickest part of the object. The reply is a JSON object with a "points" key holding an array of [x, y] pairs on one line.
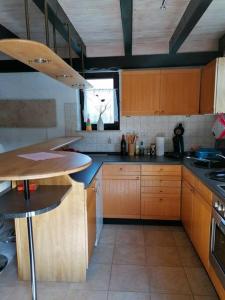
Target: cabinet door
{"points": [[140, 92], [208, 88], [91, 219], [160, 207], [121, 198], [201, 227], [187, 207], [179, 92]]}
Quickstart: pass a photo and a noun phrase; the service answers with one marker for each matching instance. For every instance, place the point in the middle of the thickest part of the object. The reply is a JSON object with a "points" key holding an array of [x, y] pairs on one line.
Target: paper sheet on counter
{"points": [[40, 156]]}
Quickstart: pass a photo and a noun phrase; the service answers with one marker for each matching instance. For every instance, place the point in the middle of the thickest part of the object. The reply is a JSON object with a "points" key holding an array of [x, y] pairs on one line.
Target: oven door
{"points": [[217, 253]]}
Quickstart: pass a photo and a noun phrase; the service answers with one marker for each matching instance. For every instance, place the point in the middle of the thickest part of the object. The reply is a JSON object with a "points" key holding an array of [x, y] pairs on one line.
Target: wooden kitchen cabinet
{"points": [[121, 191], [91, 219], [160, 192], [161, 92], [201, 224], [187, 207], [180, 91], [212, 87], [140, 92]]}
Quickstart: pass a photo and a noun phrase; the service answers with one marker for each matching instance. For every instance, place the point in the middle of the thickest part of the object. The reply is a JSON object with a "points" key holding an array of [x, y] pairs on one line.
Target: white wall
{"points": [[197, 132], [34, 85], [38, 86]]}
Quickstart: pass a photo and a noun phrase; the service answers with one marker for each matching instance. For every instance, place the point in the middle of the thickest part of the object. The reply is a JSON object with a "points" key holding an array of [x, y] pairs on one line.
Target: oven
{"points": [[217, 250]]}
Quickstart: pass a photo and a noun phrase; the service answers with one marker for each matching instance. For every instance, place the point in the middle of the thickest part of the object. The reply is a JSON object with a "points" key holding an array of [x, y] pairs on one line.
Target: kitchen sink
{"points": [[217, 175]]}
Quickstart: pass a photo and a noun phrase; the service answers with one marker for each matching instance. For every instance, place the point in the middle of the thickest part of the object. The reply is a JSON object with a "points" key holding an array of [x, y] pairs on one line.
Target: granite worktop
{"points": [[86, 176]]}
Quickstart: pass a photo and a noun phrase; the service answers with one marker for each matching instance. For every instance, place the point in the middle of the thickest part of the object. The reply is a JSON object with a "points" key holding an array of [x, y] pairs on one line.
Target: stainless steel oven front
{"points": [[217, 250]]}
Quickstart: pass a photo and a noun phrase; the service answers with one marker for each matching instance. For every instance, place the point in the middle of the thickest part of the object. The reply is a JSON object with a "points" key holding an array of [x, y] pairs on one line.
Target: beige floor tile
{"points": [[170, 297], [189, 257], [181, 239], [98, 277], [159, 238], [53, 293], [126, 278], [103, 254], [200, 282], [123, 227], [168, 280], [130, 237], [129, 255], [163, 228], [206, 298], [108, 236], [15, 293], [86, 295], [163, 256], [128, 296]]}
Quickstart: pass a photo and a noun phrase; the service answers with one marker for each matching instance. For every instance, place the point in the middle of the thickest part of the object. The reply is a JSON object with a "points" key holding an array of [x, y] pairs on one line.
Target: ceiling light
{"points": [[64, 76], [40, 60]]}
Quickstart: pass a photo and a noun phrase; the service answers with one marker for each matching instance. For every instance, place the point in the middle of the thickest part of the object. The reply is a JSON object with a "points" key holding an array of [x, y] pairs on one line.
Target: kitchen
{"points": [[153, 65]]}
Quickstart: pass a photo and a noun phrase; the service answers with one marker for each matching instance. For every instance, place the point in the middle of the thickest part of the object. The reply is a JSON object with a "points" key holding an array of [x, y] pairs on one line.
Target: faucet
{"points": [[220, 155]]}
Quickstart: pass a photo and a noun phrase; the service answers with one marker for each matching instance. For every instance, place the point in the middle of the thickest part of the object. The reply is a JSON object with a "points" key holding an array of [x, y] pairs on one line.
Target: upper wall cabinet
{"points": [[161, 92], [140, 92], [213, 87], [180, 91]]}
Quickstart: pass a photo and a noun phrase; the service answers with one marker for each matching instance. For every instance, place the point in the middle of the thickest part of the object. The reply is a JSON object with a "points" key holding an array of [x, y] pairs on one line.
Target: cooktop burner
{"points": [[210, 164]]}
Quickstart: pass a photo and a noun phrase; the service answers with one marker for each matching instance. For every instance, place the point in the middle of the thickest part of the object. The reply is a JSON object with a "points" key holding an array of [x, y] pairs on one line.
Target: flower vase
{"points": [[100, 124]]}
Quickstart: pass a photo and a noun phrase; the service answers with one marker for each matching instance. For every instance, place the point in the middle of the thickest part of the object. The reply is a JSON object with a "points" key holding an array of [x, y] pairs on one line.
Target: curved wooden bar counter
{"points": [[60, 235]]}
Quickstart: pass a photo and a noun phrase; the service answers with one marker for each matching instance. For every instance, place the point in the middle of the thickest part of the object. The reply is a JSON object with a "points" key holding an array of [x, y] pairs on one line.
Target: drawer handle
{"points": [[121, 169], [137, 177], [161, 170]]}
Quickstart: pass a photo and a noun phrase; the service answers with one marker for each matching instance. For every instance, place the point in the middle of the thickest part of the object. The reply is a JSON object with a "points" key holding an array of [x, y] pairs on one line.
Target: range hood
{"points": [[41, 58]]}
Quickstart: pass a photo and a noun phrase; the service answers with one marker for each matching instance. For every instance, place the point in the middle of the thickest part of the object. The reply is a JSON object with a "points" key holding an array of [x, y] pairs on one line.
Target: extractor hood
{"points": [[41, 58]]}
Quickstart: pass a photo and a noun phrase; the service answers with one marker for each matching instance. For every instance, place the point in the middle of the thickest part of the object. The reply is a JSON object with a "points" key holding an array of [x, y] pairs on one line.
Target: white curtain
{"points": [[100, 101]]}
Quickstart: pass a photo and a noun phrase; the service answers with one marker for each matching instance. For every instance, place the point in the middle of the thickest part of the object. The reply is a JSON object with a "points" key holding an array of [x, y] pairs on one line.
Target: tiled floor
{"points": [[130, 263]]}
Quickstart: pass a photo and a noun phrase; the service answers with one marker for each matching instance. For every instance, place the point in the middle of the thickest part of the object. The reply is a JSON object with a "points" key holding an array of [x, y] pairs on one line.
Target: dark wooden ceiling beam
{"points": [[190, 18], [115, 63], [61, 24], [222, 45], [6, 33], [126, 8]]}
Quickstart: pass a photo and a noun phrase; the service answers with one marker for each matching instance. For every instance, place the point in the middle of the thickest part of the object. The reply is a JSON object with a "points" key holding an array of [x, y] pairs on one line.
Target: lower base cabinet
{"points": [[201, 224], [122, 198]]}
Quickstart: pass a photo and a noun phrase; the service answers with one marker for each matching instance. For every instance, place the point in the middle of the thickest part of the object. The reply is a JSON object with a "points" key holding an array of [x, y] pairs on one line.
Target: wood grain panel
{"points": [[121, 170], [162, 190], [59, 256], [173, 170], [188, 176], [121, 198], [208, 88], [187, 207], [180, 91], [140, 92], [91, 219], [28, 113], [162, 208], [160, 181]]}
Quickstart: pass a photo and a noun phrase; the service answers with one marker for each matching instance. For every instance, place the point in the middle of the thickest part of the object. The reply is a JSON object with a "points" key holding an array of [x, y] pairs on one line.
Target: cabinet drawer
{"points": [[162, 181], [121, 169], [173, 170], [167, 191], [188, 176], [162, 208]]}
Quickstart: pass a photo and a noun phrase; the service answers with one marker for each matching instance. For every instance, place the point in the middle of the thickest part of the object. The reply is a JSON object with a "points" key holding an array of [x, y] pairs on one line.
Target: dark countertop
{"points": [[201, 174], [86, 176]]}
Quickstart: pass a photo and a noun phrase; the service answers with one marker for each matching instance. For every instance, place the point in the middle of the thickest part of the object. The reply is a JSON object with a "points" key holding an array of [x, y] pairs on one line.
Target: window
{"points": [[102, 99]]}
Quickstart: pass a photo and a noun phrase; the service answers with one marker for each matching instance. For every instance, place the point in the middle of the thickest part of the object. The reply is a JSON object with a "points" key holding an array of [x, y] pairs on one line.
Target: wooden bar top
{"points": [[13, 167]]}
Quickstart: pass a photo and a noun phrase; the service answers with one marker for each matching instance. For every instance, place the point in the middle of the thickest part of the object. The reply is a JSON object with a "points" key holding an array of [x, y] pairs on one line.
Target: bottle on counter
{"points": [[141, 149], [123, 146], [137, 149], [88, 125]]}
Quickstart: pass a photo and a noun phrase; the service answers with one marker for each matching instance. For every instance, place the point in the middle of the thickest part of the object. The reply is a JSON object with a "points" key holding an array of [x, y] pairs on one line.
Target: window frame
{"points": [[105, 75]]}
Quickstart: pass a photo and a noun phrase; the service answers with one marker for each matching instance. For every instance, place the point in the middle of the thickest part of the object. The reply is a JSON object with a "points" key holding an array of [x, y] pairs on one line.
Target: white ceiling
{"points": [[99, 24]]}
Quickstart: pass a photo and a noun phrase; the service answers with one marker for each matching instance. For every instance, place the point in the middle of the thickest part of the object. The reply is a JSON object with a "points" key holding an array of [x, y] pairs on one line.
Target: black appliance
{"points": [[178, 141], [217, 251]]}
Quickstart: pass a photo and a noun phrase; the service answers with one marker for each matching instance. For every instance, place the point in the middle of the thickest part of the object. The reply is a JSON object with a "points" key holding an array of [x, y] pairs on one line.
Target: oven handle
{"points": [[220, 222]]}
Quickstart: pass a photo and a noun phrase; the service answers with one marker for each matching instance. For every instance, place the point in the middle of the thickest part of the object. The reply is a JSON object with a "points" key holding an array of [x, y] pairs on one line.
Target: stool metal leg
{"points": [[31, 244]]}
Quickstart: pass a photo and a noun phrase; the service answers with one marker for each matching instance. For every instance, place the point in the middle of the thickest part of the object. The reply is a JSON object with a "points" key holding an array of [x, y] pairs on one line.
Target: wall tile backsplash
{"points": [[197, 132]]}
